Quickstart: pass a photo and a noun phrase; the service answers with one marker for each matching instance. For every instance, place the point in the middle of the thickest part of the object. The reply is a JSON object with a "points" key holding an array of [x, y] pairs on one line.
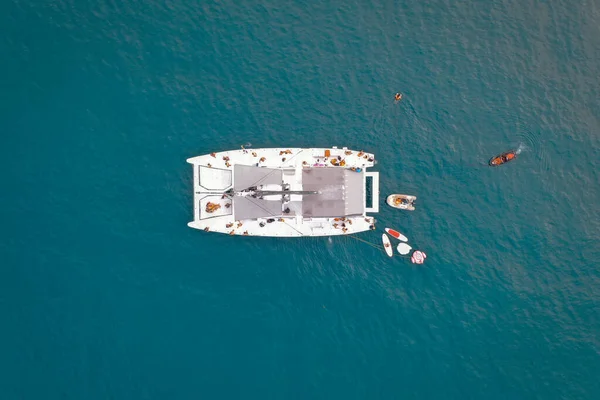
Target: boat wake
{"points": [[530, 141]]}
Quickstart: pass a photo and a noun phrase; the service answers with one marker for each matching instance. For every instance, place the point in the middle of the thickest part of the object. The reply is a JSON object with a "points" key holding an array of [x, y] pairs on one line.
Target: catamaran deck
{"points": [[336, 205]]}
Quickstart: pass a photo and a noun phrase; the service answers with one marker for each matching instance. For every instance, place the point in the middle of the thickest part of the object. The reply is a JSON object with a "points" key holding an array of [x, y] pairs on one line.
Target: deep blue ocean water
{"points": [[105, 293]]}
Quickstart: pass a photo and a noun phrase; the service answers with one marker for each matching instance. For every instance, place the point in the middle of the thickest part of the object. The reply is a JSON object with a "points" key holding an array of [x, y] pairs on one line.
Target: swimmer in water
{"points": [[398, 96]]}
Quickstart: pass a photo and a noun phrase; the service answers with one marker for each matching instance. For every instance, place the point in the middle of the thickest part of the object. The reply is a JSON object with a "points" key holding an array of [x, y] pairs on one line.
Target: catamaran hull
{"points": [[284, 192]]}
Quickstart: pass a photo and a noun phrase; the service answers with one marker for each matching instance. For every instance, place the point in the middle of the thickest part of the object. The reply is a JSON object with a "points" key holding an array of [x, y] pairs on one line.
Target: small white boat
{"points": [[401, 201], [387, 245]]}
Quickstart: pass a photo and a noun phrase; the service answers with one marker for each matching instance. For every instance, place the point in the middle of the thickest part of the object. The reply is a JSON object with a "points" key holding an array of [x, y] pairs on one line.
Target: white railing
{"points": [[374, 192]]}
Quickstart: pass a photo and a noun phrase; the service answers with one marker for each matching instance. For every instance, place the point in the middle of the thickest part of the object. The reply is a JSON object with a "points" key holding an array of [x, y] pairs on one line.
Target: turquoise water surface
{"points": [[105, 293]]}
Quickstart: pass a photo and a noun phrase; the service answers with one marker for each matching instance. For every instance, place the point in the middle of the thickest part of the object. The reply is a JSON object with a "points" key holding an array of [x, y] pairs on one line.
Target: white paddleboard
{"points": [[403, 248], [387, 245], [396, 234]]}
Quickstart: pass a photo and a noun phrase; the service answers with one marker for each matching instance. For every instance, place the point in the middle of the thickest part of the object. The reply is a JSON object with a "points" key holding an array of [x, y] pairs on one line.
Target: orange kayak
{"points": [[503, 158]]}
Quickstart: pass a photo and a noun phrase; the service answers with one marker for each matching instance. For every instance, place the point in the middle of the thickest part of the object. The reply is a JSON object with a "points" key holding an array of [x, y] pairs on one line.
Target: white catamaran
{"points": [[284, 192]]}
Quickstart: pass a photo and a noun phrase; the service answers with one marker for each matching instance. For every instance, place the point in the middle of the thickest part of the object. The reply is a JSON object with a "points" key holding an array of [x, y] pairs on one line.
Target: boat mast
{"points": [[254, 192]]}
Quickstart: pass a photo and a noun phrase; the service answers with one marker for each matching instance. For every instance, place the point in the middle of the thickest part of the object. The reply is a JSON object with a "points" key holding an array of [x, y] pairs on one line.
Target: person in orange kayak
{"points": [[507, 157], [502, 158]]}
